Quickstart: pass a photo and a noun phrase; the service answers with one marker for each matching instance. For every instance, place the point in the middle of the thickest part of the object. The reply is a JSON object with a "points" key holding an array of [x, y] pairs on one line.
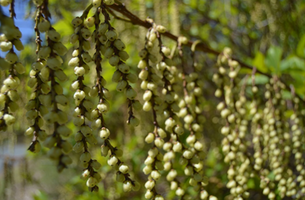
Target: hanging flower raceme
{"points": [[112, 48], [190, 111], [152, 102], [48, 93], [232, 110], [82, 112], [107, 44], [9, 41]]}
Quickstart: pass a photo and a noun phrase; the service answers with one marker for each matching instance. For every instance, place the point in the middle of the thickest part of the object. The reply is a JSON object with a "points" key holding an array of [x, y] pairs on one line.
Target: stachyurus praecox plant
{"points": [[168, 108]]}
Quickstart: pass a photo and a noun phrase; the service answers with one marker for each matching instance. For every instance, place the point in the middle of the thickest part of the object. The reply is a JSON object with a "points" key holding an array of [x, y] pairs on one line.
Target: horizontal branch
{"points": [[121, 8]]}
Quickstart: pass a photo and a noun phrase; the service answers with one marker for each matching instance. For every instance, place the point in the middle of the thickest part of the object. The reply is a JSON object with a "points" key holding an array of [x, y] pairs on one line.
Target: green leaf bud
{"points": [[9, 119], [120, 177], [6, 46], [114, 60], [104, 150], [136, 105], [149, 194], [64, 131], [44, 26], [123, 168], [142, 64], [159, 142], [78, 147], [147, 106], [124, 68], [111, 35], [127, 186], [102, 107], [121, 85], [150, 138], [66, 146], [155, 175], [78, 121], [132, 78], [188, 154], [77, 21], [53, 35], [150, 184], [112, 160], [180, 192], [54, 153], [130, 93], [104, 133], [171, 175], [91, 182], [134, 121], [59, 48], [89, 22], [103, 27], [73, 62], [85, 157], [177, 147], [123, 55], [95, 164]]}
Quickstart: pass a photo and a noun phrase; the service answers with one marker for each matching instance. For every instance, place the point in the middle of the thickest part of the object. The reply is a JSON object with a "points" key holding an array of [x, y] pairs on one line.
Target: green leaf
{"points": [[301, 47], [298, 82], [273, 59], [292, 63], [259, 62], [259, 80]]}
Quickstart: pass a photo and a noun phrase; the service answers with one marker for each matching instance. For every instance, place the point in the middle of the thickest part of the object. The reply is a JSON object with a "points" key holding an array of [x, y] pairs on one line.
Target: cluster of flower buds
{"points": [[297, 149], [9, 41], [152, 102], [190, 111], [232, 111], [48, 93], [111, 47], [276, 140], [277, 143], [84, 107]]}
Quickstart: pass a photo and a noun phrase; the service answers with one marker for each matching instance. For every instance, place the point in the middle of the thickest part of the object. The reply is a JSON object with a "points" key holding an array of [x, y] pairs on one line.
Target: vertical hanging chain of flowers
{"points": [[296, 188], [82, 112], [277, 148], [170, 108], [47, 91], [9, 39], [190, 111], [150, 82], [112, 48], [256, 126], [107, 43], [233, 111]]}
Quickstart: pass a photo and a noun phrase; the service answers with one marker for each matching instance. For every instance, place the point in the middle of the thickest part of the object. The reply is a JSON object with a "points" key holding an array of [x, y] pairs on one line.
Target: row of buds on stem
{"points": [[190, 111], [232, 111], [48, 92], [81, 60], [9, 42], [153, 162]]}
